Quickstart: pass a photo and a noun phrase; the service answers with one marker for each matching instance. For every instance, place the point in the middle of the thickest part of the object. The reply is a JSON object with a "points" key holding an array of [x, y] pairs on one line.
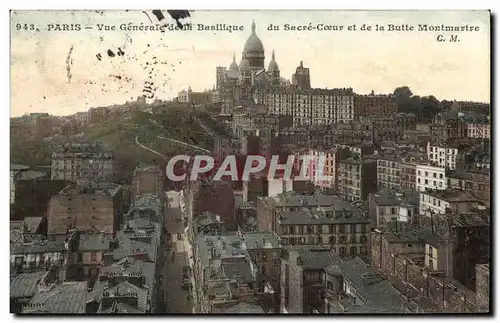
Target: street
{"points": [[176, 297]]}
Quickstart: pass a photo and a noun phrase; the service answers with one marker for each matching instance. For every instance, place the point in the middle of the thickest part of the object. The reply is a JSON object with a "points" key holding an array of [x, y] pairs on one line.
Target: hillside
{"points": [[119, 135]]}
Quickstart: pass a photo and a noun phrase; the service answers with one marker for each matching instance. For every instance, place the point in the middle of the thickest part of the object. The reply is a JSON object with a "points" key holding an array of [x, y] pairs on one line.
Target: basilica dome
{"points": [[244, 65], [233, 71], [273, 66], [253, 43]]}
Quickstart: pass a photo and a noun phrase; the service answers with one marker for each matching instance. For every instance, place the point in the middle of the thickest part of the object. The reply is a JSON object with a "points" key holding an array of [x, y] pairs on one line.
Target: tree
{"points": [[403, 95]]}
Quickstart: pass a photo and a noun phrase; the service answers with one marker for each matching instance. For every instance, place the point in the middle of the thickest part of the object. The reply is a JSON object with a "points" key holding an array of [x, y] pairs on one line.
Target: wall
{"points": [[81, 211], [448, 296], [33, 196], [483, 287]]}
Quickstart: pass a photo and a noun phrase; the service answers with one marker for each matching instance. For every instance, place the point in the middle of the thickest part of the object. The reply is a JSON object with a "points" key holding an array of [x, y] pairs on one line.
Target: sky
{"points": [[59, 72]]}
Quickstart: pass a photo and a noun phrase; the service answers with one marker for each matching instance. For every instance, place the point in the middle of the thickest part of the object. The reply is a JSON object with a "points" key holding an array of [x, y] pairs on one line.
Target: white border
{"points": [[190, 4]]}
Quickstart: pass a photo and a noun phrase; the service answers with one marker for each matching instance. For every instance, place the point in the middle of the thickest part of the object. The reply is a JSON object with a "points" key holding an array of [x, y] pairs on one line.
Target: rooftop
{"points": [[306, 216], [82, 148], [26, 284], [471, 176], [37, 246], [145, 203], [244, 308], [378, 294], [406, 236], [94, 242], [33, 174], [16, 167], [293, 199], [314, 257], [385, 197], [468, 220], [65, 298], [94, 188], [451, 195]]}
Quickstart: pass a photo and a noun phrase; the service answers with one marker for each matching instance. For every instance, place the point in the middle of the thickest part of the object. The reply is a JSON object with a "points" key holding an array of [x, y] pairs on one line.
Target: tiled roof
{"points": [[66, 298], [128, 288], [37, 247], [94, 242], [259, 240], [308, 217], [313, 257], [244, 308], [25, 284], [32, 224], [378, 294], [451, 195]]}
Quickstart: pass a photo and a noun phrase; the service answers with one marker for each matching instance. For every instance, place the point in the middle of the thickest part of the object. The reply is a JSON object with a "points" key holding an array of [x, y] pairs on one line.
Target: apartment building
{"points": [[447, 126], [303, 278], [82, 160], [477, 183], [87, 206], [269, 208], [327, 161], [309, 106], [392, 206], [374, 105], [195, 98], [446, 156], [147, 180], [437, 201], [430, 177], [357, 178], [389, 171], [342, 227], [225, 274]]}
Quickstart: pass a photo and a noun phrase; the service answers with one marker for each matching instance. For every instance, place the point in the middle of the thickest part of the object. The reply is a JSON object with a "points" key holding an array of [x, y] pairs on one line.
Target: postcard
{"points": [[250, 162]]}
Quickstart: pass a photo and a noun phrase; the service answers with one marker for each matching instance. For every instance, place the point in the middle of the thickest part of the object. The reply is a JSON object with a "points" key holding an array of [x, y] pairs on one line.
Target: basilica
{"points": [[250, 71]]}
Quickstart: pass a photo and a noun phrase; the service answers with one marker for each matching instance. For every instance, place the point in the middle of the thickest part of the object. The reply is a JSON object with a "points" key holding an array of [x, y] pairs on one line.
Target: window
{"points": [[342, 240], [329, 285], [440, 176], [362, 250], [353, 239], [362, 239], [331, 228], [342, 251], [332, 240], [353, 250], [341, 228], [434, 175], [93, 256]]}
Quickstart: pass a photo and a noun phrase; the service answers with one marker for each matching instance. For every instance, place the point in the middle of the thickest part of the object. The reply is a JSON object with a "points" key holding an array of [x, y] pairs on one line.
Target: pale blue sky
{"points": [[365, 61]]}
